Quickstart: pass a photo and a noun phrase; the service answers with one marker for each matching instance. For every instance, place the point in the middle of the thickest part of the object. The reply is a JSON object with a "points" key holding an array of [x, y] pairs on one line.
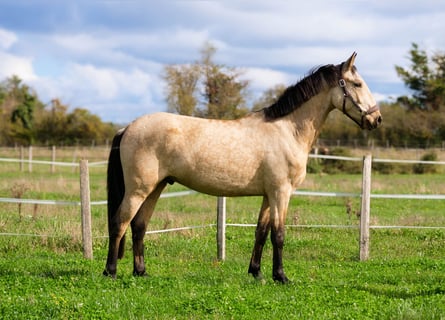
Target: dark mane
{"points": [[295, 95]]}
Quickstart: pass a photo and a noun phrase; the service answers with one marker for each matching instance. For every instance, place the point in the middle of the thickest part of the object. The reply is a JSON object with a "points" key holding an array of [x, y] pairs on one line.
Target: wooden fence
{"points": [[365, 195]]}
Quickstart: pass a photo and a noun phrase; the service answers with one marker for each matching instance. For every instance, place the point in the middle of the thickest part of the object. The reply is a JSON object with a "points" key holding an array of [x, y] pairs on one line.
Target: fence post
{"points": [[30, 159], [85, 209], [365, 208], [53, 159], [221, 228], [22, 158]]}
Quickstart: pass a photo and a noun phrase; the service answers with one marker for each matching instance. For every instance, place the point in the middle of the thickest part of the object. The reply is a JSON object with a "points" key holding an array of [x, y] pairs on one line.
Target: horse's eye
{"points": [[357, 84]]}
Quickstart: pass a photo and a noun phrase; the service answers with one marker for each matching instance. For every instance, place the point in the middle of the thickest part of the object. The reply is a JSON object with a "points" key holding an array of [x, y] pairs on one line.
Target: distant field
{"points": [[43, 274]]}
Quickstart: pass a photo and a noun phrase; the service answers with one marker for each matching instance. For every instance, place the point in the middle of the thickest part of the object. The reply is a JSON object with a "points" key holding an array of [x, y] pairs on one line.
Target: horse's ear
{"points": [[348, 64]]}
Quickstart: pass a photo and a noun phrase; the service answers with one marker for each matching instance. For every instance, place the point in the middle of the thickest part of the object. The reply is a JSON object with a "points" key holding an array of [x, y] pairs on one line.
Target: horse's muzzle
{"points": [[372, 120]]}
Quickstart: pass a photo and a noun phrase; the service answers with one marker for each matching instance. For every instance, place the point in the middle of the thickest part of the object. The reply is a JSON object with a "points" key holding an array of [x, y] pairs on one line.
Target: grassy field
{"points": [[43, 274]]}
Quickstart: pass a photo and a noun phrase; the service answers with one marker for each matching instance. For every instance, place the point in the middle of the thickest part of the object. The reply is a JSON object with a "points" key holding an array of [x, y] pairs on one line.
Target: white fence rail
{"points": [[221, 220]]}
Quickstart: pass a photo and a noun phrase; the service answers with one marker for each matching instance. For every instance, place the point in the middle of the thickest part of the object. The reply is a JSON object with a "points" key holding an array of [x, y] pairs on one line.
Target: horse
{"points": [[261, 154]]}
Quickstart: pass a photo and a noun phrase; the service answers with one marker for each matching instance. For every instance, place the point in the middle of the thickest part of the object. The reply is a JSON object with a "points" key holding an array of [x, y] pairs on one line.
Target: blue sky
{"points": [[107, 56]]}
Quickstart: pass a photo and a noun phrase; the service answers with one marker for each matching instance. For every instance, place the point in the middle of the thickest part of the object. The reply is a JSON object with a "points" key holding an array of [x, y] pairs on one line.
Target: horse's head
{"points": [[353, 98]]}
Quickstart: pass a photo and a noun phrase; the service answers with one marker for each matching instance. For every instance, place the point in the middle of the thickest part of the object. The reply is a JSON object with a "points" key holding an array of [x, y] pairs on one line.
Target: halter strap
{"points": [[363, 113]]}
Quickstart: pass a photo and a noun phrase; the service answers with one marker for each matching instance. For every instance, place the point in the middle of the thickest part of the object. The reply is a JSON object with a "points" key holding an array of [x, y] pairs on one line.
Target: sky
{"points": [[108, 56]]}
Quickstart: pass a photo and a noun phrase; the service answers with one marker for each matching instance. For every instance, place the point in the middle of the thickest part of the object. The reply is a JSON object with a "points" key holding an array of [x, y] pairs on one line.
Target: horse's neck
{"points": [[307, 120]]}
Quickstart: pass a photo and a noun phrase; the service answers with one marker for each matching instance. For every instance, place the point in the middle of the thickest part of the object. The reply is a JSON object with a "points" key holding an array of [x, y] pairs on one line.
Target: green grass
{"points": [[45, 277], [185, 281]]}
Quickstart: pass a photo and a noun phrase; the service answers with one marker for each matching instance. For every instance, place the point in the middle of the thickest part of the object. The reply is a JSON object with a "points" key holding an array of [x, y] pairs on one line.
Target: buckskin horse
{"points": [[262, 154]]}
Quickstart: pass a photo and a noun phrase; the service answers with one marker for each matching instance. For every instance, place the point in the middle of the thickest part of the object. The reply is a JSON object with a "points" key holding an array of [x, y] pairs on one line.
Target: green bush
{"points": [[340, 166], [314, 166], [421, 168], [391, 168]]}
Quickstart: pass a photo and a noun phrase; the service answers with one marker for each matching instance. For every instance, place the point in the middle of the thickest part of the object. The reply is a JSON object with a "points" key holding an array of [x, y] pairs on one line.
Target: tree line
{"points": [[206, 89], [26, 120]]}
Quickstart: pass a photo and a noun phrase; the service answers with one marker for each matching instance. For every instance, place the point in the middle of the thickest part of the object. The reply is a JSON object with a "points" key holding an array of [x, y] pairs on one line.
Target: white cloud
{"points": [[113, 94], [13, 64], [80, 42], [175, 43], [7, 39], [106, 83], [16, 65], [101, 83], [263, 79], [379, 97], [293, 22]]}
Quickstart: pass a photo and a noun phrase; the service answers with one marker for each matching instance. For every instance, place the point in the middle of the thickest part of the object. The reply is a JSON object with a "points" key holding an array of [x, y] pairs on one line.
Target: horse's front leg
{"points": [[278, 218], [277, 237], [261, 232]]}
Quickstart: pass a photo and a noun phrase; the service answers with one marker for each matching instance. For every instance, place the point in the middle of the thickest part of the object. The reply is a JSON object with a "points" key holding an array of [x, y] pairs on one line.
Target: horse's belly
{"points": [[217, 170], [224, 190], [222, 183]]}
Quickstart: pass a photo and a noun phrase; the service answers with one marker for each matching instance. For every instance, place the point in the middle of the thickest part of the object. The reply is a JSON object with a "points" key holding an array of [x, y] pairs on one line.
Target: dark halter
{"points": [[363, 113]]}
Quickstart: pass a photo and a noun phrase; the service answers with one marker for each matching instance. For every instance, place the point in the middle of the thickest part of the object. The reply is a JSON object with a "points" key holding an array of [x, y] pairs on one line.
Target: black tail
{"points": [[115, 187]]}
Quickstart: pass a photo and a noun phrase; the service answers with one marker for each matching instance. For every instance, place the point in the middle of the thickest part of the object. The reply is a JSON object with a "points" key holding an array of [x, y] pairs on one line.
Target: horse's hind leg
{"points": [[139, 227], [262, 230], [117, 228]]}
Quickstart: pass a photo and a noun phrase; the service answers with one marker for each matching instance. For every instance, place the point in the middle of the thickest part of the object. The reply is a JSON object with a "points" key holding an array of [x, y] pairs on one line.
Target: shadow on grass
{"points": [[46, 267], [401, 292]]}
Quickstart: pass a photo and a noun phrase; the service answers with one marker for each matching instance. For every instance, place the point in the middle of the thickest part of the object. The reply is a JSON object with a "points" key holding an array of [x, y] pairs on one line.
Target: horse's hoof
{"points": [[106, 273], [255, 272], [281, 278], [258, 276], [140, 273]]}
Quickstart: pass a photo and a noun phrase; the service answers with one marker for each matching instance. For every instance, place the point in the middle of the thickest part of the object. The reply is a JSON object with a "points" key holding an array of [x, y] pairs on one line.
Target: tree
{"points": [[52, 127], [269, 97], [19, 103], [25, 119], [25, 109], [426, 78], [205, 89], [224, 93], [58, 126], [83, 126], [181, 88]]}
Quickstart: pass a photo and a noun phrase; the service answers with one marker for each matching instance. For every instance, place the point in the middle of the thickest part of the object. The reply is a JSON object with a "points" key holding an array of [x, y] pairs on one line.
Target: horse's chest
{"points": [[297, 168]]}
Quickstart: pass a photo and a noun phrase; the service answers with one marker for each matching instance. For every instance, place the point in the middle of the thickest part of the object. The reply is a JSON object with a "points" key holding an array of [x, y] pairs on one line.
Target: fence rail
{"points": [[221, 220], [53, 163], [191, 192], [313, 156]]}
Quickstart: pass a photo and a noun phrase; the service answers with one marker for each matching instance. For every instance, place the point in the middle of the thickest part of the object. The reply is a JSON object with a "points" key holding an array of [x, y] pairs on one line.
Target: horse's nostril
{"points": [[379, 120]]}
